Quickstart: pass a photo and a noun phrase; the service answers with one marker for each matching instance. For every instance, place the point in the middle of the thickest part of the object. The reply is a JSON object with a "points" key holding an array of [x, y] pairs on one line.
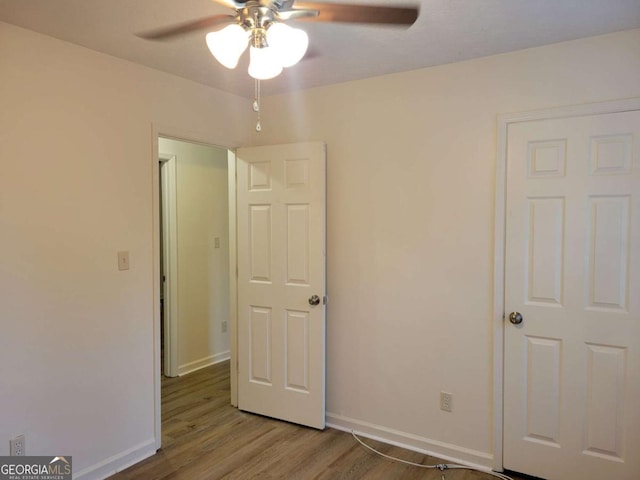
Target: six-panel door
{"points": [[572, 367], [281, 266]]}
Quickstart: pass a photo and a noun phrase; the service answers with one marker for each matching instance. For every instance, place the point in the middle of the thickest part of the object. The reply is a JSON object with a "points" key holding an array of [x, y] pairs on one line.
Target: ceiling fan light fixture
{"points": [[263, 63], [228, 44], [289, 44]]}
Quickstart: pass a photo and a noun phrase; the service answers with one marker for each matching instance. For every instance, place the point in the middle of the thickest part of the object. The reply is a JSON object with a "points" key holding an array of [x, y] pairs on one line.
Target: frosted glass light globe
{"points": [[228, 44], [289, 44], [264, 64]]}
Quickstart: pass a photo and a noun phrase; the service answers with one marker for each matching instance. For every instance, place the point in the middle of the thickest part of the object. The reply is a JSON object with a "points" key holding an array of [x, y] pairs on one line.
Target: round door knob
{"points": [[515, 318], [314, 300]]}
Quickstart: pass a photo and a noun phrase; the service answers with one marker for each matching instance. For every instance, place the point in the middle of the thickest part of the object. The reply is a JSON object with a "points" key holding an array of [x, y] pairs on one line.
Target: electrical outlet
{"points": [[446, 401], [17, 446], [224, 327]]}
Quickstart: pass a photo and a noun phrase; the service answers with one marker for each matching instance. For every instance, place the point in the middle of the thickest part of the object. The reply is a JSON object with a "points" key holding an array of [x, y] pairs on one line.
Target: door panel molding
{"points": [[499, 314]]}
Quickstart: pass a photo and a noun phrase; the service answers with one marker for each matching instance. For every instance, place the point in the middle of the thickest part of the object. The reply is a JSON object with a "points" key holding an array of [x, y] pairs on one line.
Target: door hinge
{"points": [[324, 300]]}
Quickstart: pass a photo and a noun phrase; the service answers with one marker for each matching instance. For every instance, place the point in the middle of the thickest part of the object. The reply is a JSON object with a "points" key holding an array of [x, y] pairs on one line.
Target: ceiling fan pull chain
{"points": [[256, 103]]}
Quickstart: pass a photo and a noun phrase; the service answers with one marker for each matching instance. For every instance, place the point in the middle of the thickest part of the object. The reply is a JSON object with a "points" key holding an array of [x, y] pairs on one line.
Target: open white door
{"points": [[281, 282], [572, 286]]}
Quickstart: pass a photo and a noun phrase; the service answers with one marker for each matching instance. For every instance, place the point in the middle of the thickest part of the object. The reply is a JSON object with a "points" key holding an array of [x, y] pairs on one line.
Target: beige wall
{"points": [[411, 181], [411, 160], [76, 334], [203, 270]]}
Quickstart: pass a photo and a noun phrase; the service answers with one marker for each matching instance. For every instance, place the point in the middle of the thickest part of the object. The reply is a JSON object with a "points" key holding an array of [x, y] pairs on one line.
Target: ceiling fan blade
{"points": [[187, 27], [296, 14], [230, 3], [338, 12]]}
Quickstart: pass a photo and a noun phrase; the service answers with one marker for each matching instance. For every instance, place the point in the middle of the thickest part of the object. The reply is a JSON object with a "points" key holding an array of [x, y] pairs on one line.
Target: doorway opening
{"points": [[195, 239]]}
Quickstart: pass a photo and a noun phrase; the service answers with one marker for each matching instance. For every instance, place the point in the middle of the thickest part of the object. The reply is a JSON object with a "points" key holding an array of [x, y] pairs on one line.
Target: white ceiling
{"points": [[446, 31]]}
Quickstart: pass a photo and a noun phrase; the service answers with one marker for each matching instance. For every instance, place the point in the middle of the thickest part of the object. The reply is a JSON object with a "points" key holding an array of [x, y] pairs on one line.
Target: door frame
{"points": [[168, 197], [498, 324], [204, 138]]}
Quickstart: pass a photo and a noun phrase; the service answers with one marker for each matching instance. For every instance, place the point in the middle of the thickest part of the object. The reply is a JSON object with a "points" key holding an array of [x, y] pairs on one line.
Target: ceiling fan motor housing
{"points": [[256, 17]]}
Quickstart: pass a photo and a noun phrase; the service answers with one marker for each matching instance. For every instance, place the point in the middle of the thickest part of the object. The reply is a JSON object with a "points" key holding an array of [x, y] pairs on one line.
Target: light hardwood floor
{"points": [[205, 438]]}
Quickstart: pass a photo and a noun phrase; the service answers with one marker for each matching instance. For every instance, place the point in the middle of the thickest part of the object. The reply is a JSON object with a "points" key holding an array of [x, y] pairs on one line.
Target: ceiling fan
{"points": [[262, 25]]}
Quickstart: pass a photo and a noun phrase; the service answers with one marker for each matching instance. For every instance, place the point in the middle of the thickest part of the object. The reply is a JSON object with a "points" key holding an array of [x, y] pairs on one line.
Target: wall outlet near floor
{"points": [[224, 327], [446, 401], [17, 446]]}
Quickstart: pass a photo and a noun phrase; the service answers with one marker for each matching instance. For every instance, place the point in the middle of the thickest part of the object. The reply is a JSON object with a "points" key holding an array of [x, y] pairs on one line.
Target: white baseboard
{"points": [[203, 363], [118, 462], [447, 452]]}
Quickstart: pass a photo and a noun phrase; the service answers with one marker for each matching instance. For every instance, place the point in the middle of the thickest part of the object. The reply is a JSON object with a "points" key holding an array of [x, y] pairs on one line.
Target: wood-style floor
{"points": [[205, 438]]}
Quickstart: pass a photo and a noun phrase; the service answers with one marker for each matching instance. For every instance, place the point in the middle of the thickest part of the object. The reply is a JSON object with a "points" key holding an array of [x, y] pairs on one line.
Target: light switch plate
{"points": [[123, 260]]}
